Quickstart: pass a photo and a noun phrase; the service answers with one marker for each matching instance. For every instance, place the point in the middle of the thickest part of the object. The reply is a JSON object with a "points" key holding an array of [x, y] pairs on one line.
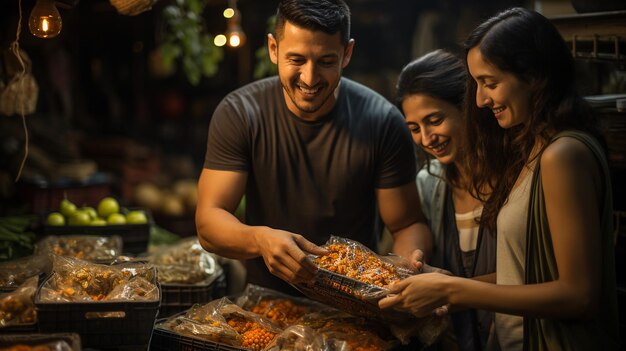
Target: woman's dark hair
{"points": [[526, 44], [440, 75], [328, 16]]}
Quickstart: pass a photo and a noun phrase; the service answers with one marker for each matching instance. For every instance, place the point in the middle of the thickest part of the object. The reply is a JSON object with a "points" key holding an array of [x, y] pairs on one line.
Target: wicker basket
{"points": [[132, 7]]}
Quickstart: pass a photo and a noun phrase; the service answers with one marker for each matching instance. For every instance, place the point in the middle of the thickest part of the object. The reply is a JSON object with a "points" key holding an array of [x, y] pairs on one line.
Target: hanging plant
{"points": [[186, 43]]}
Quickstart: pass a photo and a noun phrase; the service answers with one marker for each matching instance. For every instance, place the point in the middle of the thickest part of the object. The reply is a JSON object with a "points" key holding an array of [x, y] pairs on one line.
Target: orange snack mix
{"points": [[359, 264]]}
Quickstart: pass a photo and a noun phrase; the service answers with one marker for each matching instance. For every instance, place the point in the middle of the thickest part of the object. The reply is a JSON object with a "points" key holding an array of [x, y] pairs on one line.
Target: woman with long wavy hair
{"points": [[534, 143]]}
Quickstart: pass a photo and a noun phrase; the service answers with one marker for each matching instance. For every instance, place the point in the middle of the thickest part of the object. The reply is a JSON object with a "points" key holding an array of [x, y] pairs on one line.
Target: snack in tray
{"points": [[85, 247], [282, 311], [185, 263], [78, 280], [53, 346], [358, 263], [17, 307], [224, 322], [255, 336], [280, 308], [15, 273]]}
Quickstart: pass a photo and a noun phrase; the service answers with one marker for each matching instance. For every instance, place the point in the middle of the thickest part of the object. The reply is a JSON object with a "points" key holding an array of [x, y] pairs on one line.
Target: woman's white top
{"points": [[511, 257]]}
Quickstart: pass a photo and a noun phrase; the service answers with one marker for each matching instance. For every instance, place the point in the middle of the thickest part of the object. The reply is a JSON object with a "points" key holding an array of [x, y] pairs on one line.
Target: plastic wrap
{"points": [[48, 346], [224, 322], [299, 338], [15, 273], [203, 322], [87, 247], [17, 307], [282, 309], [352, 278], [186, 263], [347, 332], [76, 280]]}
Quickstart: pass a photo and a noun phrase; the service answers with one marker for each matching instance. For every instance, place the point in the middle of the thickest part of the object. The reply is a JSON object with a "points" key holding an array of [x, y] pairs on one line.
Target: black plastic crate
{"points": [[345, 294], [166, 340], [135, 237], [131, 329], [20, 328], [176, 298], [72, 339]]}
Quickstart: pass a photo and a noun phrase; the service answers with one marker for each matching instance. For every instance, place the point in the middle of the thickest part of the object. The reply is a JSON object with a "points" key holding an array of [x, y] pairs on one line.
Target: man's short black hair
{"points": [[328, 16]]}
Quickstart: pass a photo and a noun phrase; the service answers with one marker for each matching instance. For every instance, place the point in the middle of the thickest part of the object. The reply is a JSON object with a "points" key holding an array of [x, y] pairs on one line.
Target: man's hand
{"points": [[285, 254]]}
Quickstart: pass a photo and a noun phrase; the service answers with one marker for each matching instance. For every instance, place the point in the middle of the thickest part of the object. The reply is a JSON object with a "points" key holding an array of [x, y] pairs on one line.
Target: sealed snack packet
{"points": [[203, 322], [17, 307], [100, 249], [186, 263], [352, 278], [15, 273], [75, 280], [60, 345], [282, 309], [223, 322]]}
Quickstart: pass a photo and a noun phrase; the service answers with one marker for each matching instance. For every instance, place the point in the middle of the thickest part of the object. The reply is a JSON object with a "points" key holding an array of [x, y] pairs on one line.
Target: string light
{"points": [[45, 20], [220, 40], [235, 35], [229, 12]]}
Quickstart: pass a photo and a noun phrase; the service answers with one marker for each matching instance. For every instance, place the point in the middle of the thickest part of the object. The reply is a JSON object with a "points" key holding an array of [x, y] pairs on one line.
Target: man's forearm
{"points": [[222, 233], [415, 236]]}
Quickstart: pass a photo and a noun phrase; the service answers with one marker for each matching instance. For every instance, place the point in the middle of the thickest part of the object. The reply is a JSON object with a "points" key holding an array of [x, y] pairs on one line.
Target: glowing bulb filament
{"points": [[45, 20]]}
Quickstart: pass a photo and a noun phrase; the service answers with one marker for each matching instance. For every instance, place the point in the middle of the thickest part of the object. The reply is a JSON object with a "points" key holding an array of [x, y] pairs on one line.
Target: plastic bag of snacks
{"points": [[282, 309], [224, 322], [60, 345], [352, 278], [100, 249], [15, 273], [186, 263], [358, 332], [76, 280], [299, 338], [203, 322], [17, 307]]}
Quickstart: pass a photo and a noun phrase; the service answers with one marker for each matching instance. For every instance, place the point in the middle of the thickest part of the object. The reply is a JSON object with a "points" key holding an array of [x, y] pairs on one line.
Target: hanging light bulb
{"points": [[45, 20]]}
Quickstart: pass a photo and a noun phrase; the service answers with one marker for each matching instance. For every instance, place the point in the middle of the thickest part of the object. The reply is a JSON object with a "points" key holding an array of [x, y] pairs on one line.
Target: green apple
{"points": [[90, 211], [98, 221], [107, 207], [79, 218], [55, 218], [136, 217], [67, 208], [116, 218]]}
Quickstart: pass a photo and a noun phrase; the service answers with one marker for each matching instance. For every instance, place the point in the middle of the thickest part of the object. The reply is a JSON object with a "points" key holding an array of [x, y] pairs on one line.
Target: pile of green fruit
{"points": [[108, 212]]}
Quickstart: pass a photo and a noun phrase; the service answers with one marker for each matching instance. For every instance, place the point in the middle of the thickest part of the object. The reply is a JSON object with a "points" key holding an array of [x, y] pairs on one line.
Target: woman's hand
{"points": [[421, 295]]}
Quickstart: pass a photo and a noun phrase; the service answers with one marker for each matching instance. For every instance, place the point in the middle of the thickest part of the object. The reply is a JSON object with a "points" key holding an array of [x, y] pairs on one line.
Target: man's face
{"points": [[309, 67]]}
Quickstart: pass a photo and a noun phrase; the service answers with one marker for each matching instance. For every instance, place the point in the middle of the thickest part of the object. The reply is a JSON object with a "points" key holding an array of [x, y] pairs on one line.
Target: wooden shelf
{"points": [[595, 36]]}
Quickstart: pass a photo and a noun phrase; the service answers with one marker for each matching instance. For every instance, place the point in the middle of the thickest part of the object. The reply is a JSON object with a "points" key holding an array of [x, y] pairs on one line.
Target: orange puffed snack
{"points": [[357, 263], [282, 311], [255, 337]]}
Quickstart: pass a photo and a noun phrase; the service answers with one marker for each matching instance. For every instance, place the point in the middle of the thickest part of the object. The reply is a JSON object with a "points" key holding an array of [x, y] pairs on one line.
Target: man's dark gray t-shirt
{"points": [[316, 178]]}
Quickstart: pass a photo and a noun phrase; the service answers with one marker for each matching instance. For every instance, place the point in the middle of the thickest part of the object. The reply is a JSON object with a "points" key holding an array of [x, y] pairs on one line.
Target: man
{"points": [[314, 153]]}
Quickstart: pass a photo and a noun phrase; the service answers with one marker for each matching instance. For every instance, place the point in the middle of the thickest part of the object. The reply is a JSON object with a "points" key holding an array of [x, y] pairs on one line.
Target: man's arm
{"points": [[401, 212], [219, 231]]}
